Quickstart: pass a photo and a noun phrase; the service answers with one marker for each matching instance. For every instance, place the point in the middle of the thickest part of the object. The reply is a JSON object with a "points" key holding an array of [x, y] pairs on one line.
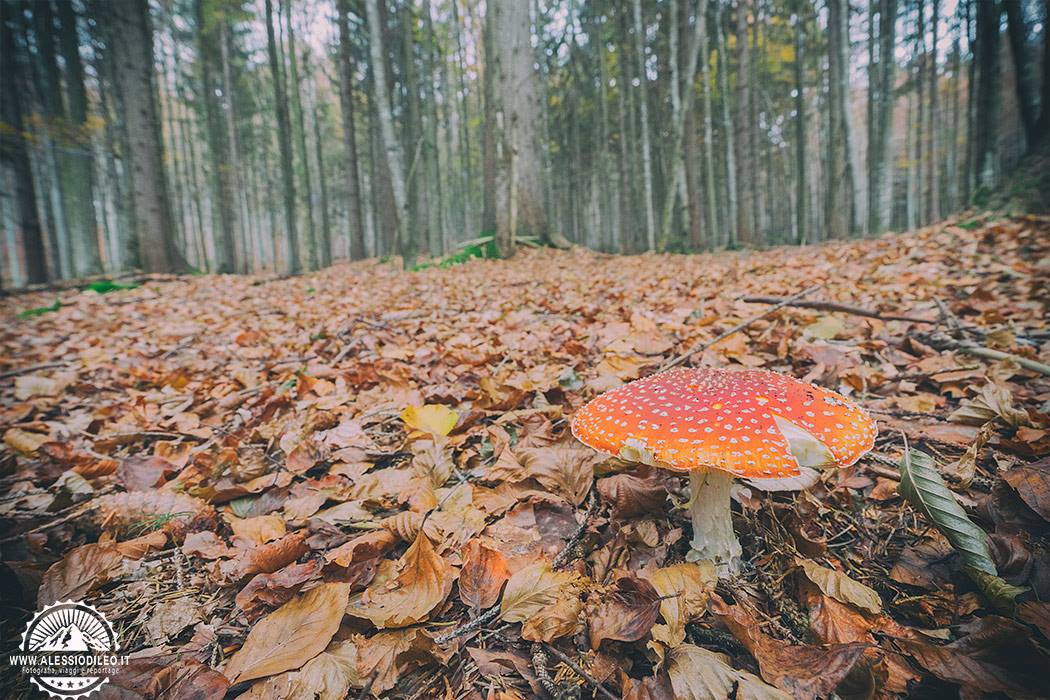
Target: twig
{"points": [[32, 368], [835, 306], [543, 674], [939, 341], [565, 659], [739, 327], [475, 624], [565, 555]]}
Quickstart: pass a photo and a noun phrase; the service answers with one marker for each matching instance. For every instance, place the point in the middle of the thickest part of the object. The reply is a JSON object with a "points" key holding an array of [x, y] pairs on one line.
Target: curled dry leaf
{"points": [[805, 672], [840, 586], [567, 471], [683, 589], [699, 674], [206, 545], [423, 581], [265, 558], [552, 622], [328, 676], [272, 590], [141, 546], [993, 401], [482, 577], [78, 573], [627, 613], [631, 495], [291, 635], [1032, 484], [383, 657], [119, 511]]}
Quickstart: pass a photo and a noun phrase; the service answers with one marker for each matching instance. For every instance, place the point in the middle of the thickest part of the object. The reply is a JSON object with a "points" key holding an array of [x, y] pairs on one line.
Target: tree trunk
{"points": [[77, 167], [133, 56], [709, 142], [242, 242], [13, 150], [880, 149], [842, 208], [284, 142], [643, 109], [391, 145], [299, 131], [223, 195], [801, 190], [744, 224], [988, 85], [933, 173], [346, 101], [1024, 78]]}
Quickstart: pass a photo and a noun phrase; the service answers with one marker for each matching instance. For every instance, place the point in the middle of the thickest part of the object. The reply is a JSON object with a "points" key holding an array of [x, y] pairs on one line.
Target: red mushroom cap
{"points": [[722, 419]]}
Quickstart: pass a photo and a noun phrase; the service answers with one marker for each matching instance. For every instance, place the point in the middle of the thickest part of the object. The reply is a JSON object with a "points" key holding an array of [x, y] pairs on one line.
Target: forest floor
{"points": [[307, 487]]}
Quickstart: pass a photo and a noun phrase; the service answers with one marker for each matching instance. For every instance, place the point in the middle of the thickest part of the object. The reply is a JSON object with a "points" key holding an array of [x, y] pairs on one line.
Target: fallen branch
{"points": [[939, 341], [32, 368], [475, 624], [566, 554], [591, 680], [739, 327], [834, 306]]}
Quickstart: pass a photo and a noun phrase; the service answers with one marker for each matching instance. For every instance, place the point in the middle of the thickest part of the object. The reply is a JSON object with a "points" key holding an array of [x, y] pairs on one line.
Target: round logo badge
{"points": [[69, 650]]}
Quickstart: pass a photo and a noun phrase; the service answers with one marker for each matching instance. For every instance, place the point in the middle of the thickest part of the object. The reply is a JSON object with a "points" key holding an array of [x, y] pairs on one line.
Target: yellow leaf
{"points": [[24, 441], [699, 674], [291, 635], [840, 586], [532, 589], [435, 419]]}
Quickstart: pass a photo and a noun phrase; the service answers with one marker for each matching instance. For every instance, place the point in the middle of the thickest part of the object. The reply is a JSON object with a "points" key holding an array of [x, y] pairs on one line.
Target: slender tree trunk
{"points": [[744, 224], [490, 79], [643, 109], [626, 183], [801, 189], [223, 195], [284, 142], [78, 165], [241, 237], [299, 133], [1024, 78], [933, 173], [431, 155], [722, 72], [391, 145], [709, 142], [880, 149], [13, 150], [324, 240], [133, 56], [987, 127], [355, 214], [841, 199]]}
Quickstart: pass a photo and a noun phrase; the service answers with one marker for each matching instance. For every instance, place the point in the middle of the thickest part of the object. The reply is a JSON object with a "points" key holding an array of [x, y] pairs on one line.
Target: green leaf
{"points": [[107, 286], [29, 313], [1000, 593], [924, 488]]}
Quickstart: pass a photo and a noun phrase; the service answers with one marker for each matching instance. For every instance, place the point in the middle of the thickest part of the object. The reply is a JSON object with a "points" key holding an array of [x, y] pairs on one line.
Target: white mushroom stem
{"points": [[709, 507]]}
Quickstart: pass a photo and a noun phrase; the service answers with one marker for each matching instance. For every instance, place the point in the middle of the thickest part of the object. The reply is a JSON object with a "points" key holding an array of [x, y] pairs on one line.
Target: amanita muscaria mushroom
{"points": [[718, 424]]}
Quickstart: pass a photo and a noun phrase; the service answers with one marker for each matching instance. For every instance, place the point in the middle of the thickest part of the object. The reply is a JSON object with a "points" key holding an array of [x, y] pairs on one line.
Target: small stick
{"points": [[32, 368], [565, 555], [475, 624], [942, 342], [834, 306], [739, 327], [565, 659]]}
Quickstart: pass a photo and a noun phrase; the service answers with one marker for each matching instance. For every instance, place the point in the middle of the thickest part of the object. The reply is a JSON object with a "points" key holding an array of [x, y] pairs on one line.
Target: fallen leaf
{"points": [[273, 590], [258, 530], [533, 588], [699, 674], [265, 558], [627, 613], [78, 573], [291, 635], [434, 419], [683, 589], [1032, 484], [383, 657], [482, 577], [840, 586], [423, 581]]}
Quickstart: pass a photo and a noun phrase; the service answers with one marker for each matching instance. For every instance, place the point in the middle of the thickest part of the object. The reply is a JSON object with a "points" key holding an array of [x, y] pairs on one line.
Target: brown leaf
{"points": [[272, 590], [143, 473], [632, 496], [170, 617], [328, 676], [206, 545], [385, 656], [265, 558], [567, 471], [81, 571], [24, 441], [805, 672], [370, 545], [1037, 614], [1032, 484], [996, 655], [258, 530], [141, 546], [684, 589], [423, 581], [291, 635], [482, 577], [699, 674], [179, 510], [627, 614], [554, 621]]}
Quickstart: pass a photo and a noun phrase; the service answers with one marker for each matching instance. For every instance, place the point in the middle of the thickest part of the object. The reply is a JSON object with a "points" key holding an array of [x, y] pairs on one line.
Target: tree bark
{"points": [[643, 110], [390, 143], [744, 224], [1024, 78], [299, 132], [987, 127], [133, 56], [355, 214], [880, 149], [77, 167], [13, 150], [284, 141], [801, 190]]}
